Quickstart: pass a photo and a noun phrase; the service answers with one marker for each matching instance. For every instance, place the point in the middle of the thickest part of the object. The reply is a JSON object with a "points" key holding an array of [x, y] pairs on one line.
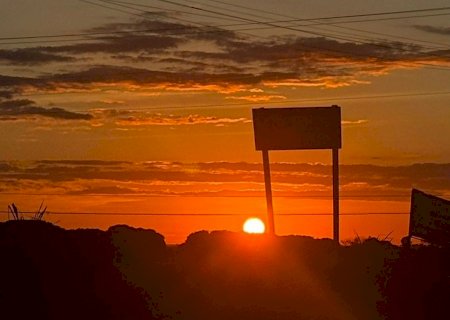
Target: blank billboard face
{"points": [[297, 128]]}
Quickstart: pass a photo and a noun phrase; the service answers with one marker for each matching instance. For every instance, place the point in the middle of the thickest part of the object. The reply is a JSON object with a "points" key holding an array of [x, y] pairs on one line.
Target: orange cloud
{"points": [[257, 98], [218, 179], [354, 122], [133, 118]]}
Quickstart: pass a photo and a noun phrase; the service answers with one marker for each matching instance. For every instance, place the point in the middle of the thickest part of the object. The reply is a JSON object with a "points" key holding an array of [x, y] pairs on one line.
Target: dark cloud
{"points": [[15, 82], [125, 40], [25, 108], [110, 45], [306, 50], [122, 74], [158, 26], [121, 44], [104, 190], [8, 94], [31, 56], [232, 178], [230, 59], [436, 30], [173, 29], [136, 58]]}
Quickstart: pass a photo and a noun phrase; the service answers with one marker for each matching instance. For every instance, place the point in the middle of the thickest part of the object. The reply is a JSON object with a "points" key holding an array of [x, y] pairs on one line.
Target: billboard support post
{"points": [[335, 194], [268, 187]]}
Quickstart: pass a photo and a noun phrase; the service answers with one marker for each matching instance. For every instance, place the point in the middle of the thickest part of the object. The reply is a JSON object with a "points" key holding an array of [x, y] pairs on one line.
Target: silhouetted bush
{"points": [[50, 273], [128, 273]]}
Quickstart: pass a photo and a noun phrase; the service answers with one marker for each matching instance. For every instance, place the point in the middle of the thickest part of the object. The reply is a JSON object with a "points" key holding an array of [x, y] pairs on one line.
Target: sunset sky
{"points": [[145, 107]]}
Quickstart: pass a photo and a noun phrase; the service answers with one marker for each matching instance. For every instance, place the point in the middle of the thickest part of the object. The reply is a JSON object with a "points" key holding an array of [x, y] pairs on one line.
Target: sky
{"points": [[145, 107]]}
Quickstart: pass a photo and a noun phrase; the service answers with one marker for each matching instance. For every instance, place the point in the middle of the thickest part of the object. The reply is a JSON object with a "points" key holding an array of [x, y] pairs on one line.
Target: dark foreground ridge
{"points": [[47, 272]]}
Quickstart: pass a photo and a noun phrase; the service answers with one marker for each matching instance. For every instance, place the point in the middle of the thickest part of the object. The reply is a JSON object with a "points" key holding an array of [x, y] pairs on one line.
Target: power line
{"points": [[433, 66], [258, 16], [218, 26], [271, 24], [247, 76], [331, 24], [220, 14], [301, 100], [271, 103], [347, 22], [306, 31], [146, 17], [298, 30], [118, 3], [348, 16], [203, 195], [203, 214]]}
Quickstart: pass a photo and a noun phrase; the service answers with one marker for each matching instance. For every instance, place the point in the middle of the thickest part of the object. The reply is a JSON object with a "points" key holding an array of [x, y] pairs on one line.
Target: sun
{"points": [[254, 225]]}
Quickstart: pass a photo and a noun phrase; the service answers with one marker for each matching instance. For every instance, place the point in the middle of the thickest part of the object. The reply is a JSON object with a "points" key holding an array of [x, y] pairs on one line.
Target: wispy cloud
{"points": [[21, 109], [432, 29], [258, 97], [219, 178], [171, 58], [31, 56], [354, 122], [145, 118]]}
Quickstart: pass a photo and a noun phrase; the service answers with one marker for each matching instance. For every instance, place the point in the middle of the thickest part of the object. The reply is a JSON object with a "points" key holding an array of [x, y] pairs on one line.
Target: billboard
{"points": [[429, 218], [297, 128]]}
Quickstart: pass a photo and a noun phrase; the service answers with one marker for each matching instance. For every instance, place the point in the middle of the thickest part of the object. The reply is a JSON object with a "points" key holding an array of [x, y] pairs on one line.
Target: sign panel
{"points": [[429, 218], [297, 128]]}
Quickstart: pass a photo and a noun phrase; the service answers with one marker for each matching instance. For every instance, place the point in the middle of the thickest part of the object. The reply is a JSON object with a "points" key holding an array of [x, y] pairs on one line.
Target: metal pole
{"points": [[336, 194], [270, 219]]}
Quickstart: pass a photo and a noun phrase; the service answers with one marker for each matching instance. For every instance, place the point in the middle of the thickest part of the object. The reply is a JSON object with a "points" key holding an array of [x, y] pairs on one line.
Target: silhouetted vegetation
{"points": [[18, 215], [127, 273]]}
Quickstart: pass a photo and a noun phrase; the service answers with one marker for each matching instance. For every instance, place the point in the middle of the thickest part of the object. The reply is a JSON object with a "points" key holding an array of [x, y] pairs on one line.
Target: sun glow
{"points": [[254, 225]]}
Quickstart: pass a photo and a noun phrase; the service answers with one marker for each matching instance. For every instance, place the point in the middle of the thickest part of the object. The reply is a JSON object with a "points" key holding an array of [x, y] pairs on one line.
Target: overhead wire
{"points": [[303, 31], [219, 77], [359, 30], [152, 195], [203, 214], [259, 16], [169, 17], [326, 49], [425, 64], [432, 66], [188, 21], [335, 100]]}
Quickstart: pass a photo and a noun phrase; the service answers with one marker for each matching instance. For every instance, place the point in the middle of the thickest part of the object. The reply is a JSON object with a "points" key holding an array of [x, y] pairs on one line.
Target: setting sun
{"points": [[254, 225]]}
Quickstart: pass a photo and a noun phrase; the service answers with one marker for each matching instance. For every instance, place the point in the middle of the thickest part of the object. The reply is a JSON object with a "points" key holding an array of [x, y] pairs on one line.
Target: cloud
{"points": [[143, 118], [432, 29], [103, 190], [258, 98], [8, 94], [26, 109], [123, 75], [222, 178], [120, 44], [31, 56], [157, 54], [354, 122], [159, 120], [141, 37]]}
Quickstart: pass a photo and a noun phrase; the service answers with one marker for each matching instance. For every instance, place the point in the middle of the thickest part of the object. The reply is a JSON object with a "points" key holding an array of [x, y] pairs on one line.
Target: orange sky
{"points": [[175, 86], [219, 195]]}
